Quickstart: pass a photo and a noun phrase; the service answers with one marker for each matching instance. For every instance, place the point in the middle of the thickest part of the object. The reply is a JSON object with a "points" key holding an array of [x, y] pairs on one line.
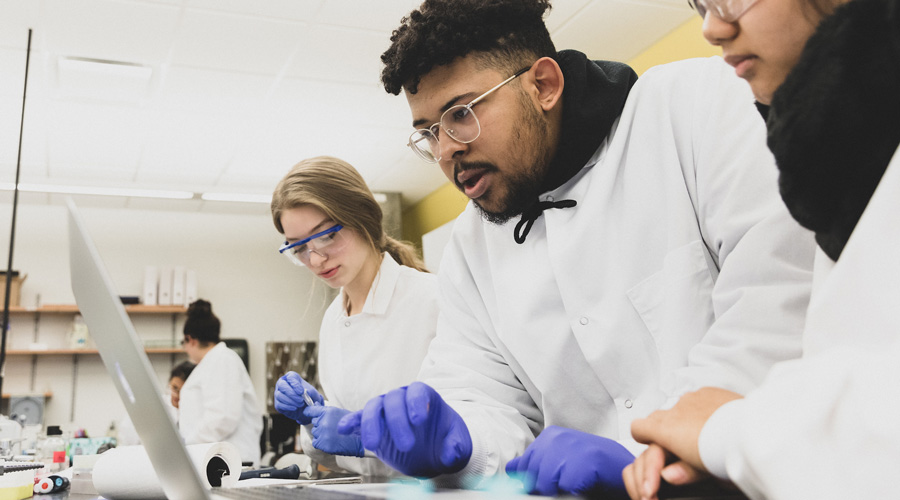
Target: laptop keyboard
{"points": [[289, 493]]}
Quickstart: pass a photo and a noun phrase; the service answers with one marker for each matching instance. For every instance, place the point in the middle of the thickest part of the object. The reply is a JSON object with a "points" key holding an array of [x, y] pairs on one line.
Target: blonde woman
{"points": [[376, 332]]}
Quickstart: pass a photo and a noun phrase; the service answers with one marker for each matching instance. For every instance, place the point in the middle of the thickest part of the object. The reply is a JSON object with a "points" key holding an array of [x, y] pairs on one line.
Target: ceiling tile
{"points": [[93, 175], [562, 12], [382, 16], [340, 54], [338, 104], [18, 16], [288, 10], [208, 91], [619, 30], [92, 134], [236, 43], [114, 30], [188, 144]]}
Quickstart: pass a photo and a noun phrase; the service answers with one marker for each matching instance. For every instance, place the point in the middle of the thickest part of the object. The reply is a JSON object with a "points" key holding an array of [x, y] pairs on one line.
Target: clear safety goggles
{"points": [[726, 10], [329, 241]]}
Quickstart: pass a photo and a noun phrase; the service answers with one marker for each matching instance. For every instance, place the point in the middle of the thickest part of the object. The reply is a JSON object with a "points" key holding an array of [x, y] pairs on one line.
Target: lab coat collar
{"points": [[383, 286]]}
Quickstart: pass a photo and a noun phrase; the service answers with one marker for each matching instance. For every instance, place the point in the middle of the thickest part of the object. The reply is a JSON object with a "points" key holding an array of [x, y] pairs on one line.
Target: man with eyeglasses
{"points": [[624, 245]]}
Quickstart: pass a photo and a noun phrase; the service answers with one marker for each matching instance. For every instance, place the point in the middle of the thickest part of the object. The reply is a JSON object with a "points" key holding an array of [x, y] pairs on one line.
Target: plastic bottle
{"points": [[53, 450], [78, 335]]}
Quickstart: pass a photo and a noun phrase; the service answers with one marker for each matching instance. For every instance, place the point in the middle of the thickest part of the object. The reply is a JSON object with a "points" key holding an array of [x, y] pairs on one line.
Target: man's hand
{"points": [[413, 430], [673, 433], [564, 461], [289, 397], [642, 478]]}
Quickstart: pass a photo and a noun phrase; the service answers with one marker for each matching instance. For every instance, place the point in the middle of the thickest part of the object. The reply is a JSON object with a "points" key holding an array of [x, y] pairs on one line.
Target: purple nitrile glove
{"points": [[566, 461], [413, 430], [289, 397], [325, 435]]}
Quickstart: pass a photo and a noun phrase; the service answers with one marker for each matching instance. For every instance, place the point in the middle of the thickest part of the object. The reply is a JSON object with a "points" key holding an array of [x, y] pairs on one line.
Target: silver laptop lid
{"points": [[128, 365]]}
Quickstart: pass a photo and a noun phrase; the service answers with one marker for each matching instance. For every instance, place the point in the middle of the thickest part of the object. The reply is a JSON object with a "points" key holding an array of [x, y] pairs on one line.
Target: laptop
{"points": [[128, 365], [134, 378]]}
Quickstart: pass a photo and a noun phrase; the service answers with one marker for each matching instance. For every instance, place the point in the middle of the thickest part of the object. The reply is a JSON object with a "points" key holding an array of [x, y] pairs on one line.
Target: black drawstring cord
{"points": [[533, 212]]}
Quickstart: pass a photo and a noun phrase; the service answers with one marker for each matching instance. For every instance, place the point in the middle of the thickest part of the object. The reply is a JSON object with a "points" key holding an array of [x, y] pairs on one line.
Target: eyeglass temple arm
{"points": [[504, 82]]}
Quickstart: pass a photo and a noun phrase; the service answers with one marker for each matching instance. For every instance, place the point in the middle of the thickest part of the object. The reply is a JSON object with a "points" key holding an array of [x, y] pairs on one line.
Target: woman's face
{"points": [[191, 347], [337, 265], [765, 43], [175, 384]]}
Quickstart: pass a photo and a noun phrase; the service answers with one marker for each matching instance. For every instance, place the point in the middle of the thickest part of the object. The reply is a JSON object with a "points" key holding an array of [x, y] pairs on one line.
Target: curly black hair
{"points": [[507, 34]]}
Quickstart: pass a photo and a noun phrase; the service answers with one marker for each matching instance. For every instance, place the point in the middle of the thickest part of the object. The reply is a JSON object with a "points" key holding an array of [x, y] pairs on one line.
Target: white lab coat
{"points": [[218, 403], [679, 268], [380, 349], [828, 426]]}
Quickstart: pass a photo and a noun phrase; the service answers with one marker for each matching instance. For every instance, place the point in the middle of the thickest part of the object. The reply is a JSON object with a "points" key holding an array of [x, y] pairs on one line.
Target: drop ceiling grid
{"points": [[241, 90]]}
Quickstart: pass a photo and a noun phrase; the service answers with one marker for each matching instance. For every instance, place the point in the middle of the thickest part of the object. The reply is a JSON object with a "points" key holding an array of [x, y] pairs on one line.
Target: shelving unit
{"points": [[52, 352], [72, 309]]}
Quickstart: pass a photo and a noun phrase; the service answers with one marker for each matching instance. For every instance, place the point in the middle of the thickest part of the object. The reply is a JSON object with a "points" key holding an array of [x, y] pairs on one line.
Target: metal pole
{"points": [[12, 232]]}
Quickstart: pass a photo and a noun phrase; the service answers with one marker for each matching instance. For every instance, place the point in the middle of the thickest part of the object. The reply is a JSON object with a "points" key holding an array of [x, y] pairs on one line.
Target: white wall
{"points": [[256, 293]]}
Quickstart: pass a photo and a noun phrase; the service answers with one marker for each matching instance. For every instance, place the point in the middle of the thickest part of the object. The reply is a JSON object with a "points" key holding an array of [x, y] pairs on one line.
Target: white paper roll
{"points": [[125, 473]]}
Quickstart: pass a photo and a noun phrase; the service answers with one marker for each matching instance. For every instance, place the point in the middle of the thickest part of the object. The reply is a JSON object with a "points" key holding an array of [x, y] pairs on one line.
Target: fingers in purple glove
{"points": [[350, 424], [396, 417], [372, 426]]}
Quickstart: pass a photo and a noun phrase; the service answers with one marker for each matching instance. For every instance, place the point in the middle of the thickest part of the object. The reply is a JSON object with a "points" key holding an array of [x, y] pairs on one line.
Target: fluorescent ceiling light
{"points": [[242, 197], [101, 191]]}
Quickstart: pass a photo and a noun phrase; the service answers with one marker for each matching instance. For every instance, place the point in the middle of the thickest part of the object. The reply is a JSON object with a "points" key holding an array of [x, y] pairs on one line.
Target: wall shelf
{"points": [[47, 395], [51, 352], [72, 309], [151, 313]]}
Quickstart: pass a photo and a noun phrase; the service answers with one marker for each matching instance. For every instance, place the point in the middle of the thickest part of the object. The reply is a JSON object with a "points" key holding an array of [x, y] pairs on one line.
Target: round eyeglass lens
{"points": [[425, 144], [460, 123]]}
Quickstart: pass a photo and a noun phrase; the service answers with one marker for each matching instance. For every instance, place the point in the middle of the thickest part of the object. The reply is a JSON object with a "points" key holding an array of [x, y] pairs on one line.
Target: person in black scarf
{"points": [[622, 246], [834, 129]]}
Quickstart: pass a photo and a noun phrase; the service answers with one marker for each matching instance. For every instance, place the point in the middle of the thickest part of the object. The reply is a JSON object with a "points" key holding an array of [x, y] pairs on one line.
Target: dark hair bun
{"points": [[200, 309]]}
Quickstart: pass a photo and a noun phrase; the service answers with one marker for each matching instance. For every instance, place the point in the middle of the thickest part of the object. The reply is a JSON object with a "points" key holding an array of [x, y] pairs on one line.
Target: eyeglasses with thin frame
{"points": [[726, 10], [459, 122], [299, 252]]}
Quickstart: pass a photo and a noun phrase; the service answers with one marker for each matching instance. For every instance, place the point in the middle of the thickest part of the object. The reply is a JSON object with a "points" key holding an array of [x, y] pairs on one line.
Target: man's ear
{"points": [[549, 82]]}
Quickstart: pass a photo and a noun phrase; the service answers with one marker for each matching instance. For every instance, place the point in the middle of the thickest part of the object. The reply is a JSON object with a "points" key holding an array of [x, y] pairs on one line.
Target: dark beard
{"points": [[524, 186]]}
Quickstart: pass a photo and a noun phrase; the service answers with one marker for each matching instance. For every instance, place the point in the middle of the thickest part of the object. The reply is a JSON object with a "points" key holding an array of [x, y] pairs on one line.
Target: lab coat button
{"points": [[549, 198], [628, 403], [583, 320], [347, 323]]}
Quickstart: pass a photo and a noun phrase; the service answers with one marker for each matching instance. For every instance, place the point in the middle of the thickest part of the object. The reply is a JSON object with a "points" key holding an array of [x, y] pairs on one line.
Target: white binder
{"points": [[165, 286], [151, 280], [190, 287], [178, 286]]}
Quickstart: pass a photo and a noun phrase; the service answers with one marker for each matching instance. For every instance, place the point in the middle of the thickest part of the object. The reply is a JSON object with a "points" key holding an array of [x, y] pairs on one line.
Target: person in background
{"points": [[623, 246], [376, 332], [825, 426], [217, 402], [126, 434], [177, 379]]}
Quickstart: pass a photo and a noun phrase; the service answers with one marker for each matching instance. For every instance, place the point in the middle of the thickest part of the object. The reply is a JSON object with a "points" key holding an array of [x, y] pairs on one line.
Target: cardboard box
{"points": [[15, 290]]}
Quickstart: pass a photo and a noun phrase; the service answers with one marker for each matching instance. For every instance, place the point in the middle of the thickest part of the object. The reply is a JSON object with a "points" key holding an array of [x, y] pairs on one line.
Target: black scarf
{"points": [[593, 97], [835, 121]]}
